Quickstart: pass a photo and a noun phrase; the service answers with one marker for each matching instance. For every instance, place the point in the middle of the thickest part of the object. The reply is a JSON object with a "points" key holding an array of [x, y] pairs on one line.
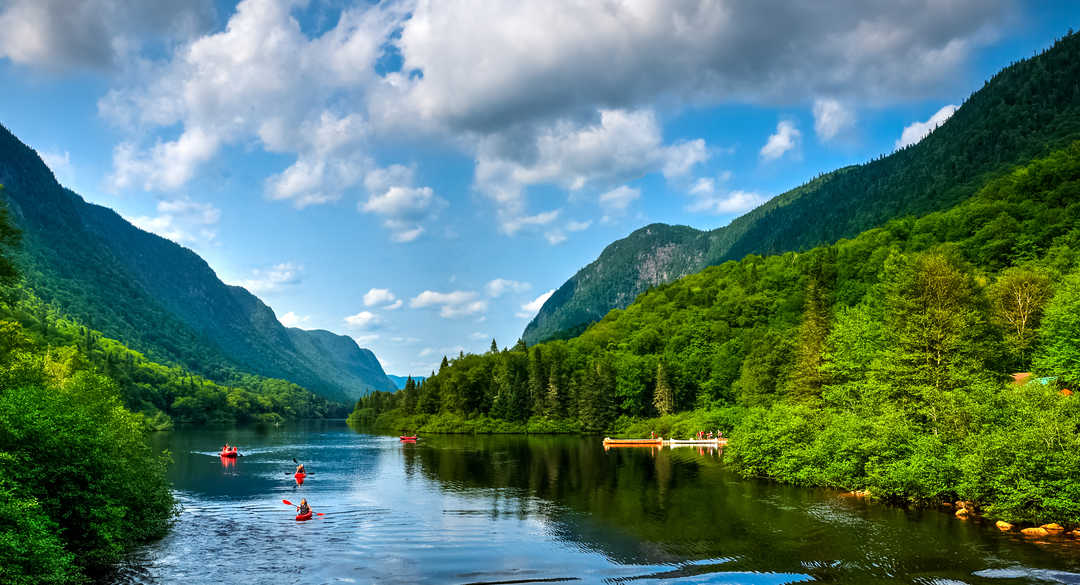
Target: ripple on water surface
{"points": [[539, 510]]}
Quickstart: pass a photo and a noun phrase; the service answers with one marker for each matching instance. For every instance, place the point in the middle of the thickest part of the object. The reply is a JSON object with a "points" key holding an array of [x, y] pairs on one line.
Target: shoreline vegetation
{"points": [[879, 365], [80, 485]]}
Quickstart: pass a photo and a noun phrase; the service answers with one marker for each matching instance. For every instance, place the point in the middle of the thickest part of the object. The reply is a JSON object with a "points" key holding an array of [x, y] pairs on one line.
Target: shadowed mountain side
{"points": [[153, 294]]}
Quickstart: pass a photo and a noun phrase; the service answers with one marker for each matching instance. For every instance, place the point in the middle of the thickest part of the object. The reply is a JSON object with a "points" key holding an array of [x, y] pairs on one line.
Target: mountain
{"points": [[161, 298], [1027, 110], [400, 381]]}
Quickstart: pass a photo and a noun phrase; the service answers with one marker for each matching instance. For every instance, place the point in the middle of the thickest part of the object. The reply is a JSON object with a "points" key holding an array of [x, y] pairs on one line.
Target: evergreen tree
{"points": [[494, 346], [663, 396], [806, 378]]}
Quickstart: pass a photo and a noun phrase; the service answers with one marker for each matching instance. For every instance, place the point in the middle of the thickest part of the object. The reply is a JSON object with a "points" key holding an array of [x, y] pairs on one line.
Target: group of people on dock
{"points": [[702, 435]]}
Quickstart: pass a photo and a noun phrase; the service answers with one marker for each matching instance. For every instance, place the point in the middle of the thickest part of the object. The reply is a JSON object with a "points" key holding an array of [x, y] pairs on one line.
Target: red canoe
{"points": [[231, 453], [408, 439], [300, 478], [302, 517]]}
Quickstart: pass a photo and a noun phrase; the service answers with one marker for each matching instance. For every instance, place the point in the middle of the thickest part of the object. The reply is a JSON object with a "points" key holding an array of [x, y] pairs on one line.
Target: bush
{"points": [[85, 460]]}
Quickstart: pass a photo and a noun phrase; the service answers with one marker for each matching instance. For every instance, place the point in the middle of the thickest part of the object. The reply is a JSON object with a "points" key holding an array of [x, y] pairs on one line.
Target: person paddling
{"points": [[303, 508], [300, 470]]}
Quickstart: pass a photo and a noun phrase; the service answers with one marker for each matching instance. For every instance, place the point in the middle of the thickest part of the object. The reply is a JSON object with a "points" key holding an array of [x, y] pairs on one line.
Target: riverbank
{"points": [[1010, 452]]}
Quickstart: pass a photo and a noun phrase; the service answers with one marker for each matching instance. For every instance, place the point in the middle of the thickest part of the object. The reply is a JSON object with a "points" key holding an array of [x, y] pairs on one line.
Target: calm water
{"points": [[526, 509]]}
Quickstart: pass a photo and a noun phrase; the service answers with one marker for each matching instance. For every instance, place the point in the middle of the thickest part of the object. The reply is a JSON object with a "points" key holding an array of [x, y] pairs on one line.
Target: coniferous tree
{"points": [[663, 396]]}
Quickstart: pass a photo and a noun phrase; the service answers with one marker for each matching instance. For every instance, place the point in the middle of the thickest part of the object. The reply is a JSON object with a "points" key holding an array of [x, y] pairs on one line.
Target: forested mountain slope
{"points": [[158, 297], [1027, 110], [879, 362]]}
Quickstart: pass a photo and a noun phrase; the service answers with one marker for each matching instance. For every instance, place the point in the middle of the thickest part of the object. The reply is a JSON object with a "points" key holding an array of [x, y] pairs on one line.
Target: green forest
{"points": [[879, 363], [1025, 111], [79, 482]]}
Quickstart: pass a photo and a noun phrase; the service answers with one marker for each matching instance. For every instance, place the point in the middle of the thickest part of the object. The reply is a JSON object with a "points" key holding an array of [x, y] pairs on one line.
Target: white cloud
{"points": [[831, 118], [60, 165], [500, 286], [363, 320], [378, 296], [916, 131], [291, 319], [619, 146], [555, 237], [578, 226], [366, 339], [183, 221], [619, 199], [513, 225], [272, 279], [709, 197], [785, 139], [92, 34], [451, 305], [426, 352], [571, 107], [529, 309], [404, 209], [479, 335], [393, 306]]}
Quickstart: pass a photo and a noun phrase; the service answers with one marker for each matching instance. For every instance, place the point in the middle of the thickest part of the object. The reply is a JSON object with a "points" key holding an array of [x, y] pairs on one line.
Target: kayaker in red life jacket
{"points": [[303, 508], [225, 449], [300, 469]]}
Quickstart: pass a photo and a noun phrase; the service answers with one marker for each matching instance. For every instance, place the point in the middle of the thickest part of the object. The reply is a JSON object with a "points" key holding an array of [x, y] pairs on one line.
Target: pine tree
{"points": [[445, 363], [807, 378], [664, 396], [537, 382], [494, 346]]}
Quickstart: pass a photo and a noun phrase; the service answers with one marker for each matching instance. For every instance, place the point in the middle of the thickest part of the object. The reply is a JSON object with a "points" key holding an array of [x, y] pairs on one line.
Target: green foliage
{"points": [[873, 363], [1027, 110]]}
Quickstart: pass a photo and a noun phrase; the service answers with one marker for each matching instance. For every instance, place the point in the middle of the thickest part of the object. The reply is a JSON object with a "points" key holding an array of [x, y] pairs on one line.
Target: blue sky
{"points": [[419, 175]]}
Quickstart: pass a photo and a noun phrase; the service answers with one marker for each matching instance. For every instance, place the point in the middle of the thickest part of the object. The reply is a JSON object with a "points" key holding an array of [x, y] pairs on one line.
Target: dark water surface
{"points": [[544, 509]]}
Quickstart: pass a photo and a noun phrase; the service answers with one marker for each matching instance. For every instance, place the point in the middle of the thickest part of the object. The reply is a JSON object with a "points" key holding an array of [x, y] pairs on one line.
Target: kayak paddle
{"points": [[288, 503]]}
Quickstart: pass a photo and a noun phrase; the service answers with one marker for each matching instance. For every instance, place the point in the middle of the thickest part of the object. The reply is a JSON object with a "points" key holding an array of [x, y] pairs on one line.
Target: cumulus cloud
{"points": [[619, 199], [484, 73], [571, 106], [831, 118], [363, 320], [451, 305], [291, 319], [529, 309], [916, 131], [620, 145], [378, 296], [500, 286], [262, 80], [710, 196], [272, 279], [784, 139], [93, 34], [183, 221], [404, 208], [578, 226]]}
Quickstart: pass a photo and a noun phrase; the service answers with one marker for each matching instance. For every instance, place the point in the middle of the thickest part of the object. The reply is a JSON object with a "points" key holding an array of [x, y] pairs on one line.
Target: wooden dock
{"points": [[609, 442]]}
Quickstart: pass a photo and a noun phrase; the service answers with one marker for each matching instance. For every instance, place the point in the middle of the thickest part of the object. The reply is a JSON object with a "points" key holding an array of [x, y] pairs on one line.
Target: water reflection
{"points": [[541, 509]]}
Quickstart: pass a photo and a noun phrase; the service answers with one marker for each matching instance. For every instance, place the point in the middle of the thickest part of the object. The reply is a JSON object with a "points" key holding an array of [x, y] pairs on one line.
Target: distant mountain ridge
{"points": [[159, 297], [1027, 110]]}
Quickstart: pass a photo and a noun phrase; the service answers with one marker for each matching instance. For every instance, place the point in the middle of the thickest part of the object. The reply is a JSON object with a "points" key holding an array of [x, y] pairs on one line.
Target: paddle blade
{"points": [[287, 502], [318, 513]]}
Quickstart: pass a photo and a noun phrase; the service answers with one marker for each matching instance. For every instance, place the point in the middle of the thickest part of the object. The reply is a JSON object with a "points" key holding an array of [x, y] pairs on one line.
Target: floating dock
{"points": [[608, 442]]}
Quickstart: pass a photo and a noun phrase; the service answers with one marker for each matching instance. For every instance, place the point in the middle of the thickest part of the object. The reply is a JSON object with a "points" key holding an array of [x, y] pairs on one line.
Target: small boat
{"points": [[411, 439], [708, 442], [229, 453], [302, 517], [632, 442], [300, 478]]}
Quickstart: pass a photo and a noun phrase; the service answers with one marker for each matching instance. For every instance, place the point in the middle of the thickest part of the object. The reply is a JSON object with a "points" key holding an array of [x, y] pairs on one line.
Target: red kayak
{"points": [[408, 439], [230, 453], [302, 517], [300, 478]]}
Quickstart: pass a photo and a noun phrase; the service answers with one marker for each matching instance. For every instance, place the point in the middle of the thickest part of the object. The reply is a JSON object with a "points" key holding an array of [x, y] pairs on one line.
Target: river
{"points": [[457, 510]]}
